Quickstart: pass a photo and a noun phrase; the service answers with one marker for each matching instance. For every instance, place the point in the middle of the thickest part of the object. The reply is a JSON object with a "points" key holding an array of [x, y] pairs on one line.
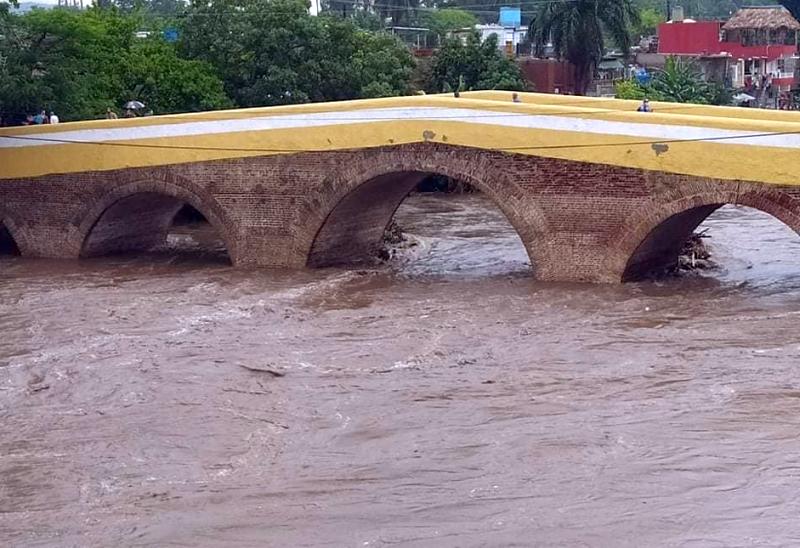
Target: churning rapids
{"points": [[449, 400]]}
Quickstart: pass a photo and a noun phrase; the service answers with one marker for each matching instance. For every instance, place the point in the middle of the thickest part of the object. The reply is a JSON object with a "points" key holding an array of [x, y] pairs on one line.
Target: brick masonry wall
{"points": [[578, 221]]}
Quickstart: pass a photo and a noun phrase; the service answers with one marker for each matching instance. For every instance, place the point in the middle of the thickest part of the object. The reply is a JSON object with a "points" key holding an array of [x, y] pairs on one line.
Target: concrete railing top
{"points": [[720, 142]]}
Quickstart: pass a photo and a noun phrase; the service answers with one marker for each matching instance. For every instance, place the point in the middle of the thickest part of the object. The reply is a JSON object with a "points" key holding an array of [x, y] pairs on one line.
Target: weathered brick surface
{"points": [[578, 221]]}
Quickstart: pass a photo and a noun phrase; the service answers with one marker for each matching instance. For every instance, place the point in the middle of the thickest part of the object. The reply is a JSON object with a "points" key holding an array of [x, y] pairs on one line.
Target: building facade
{"points": [[757, 44]]}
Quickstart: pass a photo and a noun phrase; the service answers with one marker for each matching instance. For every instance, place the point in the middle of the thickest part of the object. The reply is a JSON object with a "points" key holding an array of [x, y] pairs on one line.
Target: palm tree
{"points": [[577, 30], [680, 82]]}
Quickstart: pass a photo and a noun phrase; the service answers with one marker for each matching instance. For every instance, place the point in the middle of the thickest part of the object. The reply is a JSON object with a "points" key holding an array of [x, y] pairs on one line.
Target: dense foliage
{"points": [[677, 82], [272, 52], [266, 52], [80, 63], [228, 53], [649, 19], [471, 65], [444, 21]]}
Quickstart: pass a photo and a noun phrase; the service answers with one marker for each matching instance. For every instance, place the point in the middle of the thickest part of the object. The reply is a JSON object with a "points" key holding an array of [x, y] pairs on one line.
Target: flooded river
{"points": [[450, 400]]}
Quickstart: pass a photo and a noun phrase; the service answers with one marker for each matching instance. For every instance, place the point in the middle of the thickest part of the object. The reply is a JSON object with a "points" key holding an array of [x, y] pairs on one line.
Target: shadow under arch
{"points": [[8, 243], [138, 216], [12, 238], [366, 201], [657, 234]]}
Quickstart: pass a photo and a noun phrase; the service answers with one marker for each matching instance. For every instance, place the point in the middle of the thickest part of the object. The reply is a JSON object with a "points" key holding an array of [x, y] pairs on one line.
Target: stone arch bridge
{"points": [[596, 191]]}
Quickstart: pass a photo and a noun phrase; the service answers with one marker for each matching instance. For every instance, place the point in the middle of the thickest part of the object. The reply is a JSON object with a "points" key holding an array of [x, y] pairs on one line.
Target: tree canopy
{"points": [[678, 82], [79, 63], [649, 19], [443, 21], [272, 52], [472, 65]]}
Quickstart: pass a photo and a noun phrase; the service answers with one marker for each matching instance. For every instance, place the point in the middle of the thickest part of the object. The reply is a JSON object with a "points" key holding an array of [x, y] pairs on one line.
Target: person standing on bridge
{"points": [[110, 114], [645, 106]]}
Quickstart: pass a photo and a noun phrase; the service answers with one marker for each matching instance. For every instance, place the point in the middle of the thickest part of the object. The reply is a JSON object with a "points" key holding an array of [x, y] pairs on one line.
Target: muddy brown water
{"points": [[448, 401]]}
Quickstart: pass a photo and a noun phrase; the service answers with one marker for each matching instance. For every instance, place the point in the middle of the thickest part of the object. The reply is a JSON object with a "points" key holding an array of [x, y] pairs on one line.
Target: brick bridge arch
{"points": [[654, 234], [360, 197], [15, 232], [138, 215]]}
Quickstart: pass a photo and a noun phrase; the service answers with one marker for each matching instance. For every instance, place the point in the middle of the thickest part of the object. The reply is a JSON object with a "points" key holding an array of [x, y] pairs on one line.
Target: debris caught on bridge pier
{"points": [[393, 234], [695, 254], [396, 244]]}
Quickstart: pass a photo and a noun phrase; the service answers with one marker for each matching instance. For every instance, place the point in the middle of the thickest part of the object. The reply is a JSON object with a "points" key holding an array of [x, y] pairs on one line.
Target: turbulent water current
{"points": [[446, 400]]}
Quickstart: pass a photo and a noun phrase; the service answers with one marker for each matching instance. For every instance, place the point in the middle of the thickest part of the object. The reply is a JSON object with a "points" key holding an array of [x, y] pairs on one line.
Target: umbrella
{"points": [[742, 97], [133, 105]]}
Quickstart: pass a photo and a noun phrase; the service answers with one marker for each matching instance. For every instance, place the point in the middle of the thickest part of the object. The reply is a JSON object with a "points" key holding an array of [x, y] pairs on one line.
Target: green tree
{"points": [[677, 82], [649, 19], [271, 52], [444, 21], [78, 63], [630, 89], [578, 29], [473, 65], [62, 60], [156, 76], [680, 82]]}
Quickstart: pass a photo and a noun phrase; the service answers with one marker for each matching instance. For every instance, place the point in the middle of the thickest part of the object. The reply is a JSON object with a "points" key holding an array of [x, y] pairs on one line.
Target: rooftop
{"points": [[762, 17]]}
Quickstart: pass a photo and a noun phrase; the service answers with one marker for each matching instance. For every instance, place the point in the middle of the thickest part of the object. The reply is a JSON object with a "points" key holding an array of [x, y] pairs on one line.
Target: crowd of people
{"points": [[41, 118]]}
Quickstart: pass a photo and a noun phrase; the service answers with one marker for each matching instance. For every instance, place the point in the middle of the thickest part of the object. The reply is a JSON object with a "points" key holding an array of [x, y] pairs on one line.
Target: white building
{"points": [[508, 38]]}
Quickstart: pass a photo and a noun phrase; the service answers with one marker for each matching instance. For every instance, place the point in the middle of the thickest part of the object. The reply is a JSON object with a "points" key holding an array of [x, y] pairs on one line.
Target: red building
{"points": [[757, 41]]}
